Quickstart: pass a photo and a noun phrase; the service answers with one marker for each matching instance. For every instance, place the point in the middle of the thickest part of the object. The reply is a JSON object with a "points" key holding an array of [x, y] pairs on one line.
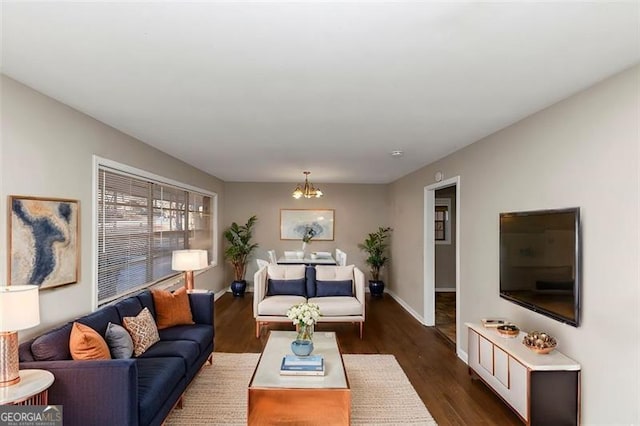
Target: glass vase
{"points": [[303, 345], [305, 332]]}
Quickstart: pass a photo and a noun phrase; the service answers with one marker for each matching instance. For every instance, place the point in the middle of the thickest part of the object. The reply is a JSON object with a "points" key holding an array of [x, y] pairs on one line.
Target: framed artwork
{"points": [[294, 224], [442, 225], [44, 245]]}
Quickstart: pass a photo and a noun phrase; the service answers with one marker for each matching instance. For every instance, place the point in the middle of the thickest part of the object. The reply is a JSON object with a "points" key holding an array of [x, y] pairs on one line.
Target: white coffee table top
{"points": [[267, 374]]}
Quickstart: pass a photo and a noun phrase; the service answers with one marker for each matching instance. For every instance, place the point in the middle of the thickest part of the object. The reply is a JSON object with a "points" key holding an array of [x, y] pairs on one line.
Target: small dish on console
{"points": [[509, 330], [539, 342]]}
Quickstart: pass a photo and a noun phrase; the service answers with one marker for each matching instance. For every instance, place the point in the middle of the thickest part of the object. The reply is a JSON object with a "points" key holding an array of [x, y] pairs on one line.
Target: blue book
{"points": [[301, 367], [312, 360], [301, 370]]}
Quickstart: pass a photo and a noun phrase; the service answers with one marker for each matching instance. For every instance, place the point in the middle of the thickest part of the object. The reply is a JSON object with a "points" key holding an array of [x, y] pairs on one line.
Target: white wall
{"points": [[47, 151], [580, 152]]}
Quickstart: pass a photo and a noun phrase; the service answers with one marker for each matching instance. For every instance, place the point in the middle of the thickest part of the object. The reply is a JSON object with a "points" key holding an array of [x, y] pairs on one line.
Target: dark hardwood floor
{"points": [[446, 314], [426, 356]]}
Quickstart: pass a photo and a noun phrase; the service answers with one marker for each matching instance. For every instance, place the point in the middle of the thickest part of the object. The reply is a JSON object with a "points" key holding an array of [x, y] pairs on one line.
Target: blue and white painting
{"points": [[44, 241], [295, 224]]}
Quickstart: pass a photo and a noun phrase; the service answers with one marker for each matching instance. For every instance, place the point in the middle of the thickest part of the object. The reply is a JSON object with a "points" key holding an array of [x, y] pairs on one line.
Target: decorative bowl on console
{"points": [[539, 342], [508, 330]]}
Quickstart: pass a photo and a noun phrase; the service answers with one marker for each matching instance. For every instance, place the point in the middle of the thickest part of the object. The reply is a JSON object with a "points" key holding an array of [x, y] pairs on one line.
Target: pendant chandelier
{"points": [[306, 190]]}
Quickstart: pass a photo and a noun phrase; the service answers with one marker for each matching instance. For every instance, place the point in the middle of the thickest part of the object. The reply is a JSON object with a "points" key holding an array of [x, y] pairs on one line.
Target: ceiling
{"points": [[260, 91]]}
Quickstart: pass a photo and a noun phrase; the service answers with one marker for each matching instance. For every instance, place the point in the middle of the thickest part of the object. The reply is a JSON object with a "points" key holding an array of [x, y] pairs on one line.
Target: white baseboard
{"points": [[445, 289], [248, 289], [463, 356], [406, 307], [459, 352]]}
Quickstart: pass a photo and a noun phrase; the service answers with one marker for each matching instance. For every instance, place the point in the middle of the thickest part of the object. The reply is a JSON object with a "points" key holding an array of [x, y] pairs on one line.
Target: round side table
{"points": [[32, 389]]}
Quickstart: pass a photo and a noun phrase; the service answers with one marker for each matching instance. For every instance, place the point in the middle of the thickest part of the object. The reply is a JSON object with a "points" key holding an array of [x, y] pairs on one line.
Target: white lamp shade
{"points": [[19, 307], [189, 260]]}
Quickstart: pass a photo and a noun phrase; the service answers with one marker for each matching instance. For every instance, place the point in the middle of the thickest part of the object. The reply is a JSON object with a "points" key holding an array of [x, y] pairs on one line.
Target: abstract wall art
{"points": [[43, 241], [296, 222]]}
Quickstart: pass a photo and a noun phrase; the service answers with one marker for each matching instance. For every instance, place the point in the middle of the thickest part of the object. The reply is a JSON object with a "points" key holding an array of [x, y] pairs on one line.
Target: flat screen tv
{"points": [[540, 262]]}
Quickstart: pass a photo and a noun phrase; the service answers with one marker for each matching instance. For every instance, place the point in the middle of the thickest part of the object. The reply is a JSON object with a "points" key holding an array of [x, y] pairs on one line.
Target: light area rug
{"points": [[381, 394]]}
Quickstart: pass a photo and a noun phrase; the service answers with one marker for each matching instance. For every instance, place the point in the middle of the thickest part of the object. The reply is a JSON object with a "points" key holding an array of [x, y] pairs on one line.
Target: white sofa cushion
{"points": [[334, 273], [337, 306], [285, 272], [279, 305]]}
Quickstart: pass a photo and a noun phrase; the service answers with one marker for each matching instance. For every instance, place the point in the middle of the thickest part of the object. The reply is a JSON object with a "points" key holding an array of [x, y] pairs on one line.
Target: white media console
{"points": [[541, 389]]}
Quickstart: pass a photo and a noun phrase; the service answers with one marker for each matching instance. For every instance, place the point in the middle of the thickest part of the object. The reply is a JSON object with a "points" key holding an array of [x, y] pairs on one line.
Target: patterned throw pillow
{"points": [[172, 308], [119, 341], [86, 343], [143, 331]]}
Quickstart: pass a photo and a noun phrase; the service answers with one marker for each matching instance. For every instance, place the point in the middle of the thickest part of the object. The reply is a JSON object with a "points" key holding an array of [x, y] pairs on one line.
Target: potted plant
{"points": [[375, 245], [238, 251]]}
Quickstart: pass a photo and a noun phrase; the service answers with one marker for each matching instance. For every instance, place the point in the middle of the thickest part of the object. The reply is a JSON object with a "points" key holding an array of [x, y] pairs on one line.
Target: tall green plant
{"points": [[375, 245], [240, 246]]}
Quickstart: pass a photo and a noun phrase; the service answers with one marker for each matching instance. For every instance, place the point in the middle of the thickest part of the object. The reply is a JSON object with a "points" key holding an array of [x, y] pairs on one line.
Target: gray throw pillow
{"points": [[119, 341]]}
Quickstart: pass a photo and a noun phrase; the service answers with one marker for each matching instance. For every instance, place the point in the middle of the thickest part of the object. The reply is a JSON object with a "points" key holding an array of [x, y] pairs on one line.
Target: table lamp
{"points": [[19, 310], [188, 261]]}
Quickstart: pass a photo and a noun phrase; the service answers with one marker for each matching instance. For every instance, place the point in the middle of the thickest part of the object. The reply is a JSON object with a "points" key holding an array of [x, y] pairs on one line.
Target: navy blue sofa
{"points": [[135, 391]]}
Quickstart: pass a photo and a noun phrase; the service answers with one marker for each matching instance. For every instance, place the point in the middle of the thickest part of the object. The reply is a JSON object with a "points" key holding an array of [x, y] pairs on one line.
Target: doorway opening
{"points": [[445, 261], [442, 258]]}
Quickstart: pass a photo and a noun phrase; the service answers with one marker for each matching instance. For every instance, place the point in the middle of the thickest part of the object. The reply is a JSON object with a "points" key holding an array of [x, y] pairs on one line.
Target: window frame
{"points": [[133, 172]]}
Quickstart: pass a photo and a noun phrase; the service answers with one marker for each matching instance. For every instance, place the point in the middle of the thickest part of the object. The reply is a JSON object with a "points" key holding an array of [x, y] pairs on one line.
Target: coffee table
{"points": [[300, 400]]}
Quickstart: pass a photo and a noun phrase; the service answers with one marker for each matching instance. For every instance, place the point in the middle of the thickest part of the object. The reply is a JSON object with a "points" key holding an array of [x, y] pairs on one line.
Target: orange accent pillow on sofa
{"points": [[86, 343], [172, 308]]}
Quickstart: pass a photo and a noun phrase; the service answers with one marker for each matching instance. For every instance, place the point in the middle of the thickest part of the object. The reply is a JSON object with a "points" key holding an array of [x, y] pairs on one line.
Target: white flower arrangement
{"points": [[304, 314]]}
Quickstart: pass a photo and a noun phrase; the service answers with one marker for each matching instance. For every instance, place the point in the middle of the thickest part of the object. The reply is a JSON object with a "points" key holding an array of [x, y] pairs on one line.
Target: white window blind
{"points": [[140, 223]]}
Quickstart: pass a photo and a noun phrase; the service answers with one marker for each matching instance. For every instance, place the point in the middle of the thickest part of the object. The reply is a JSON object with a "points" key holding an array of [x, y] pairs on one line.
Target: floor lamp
{"points": [[188, 261], [19, 310]]}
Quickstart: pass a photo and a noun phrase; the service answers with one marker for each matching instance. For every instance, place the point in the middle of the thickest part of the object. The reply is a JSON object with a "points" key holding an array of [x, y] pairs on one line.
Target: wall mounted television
{"points": [[540, 262]]}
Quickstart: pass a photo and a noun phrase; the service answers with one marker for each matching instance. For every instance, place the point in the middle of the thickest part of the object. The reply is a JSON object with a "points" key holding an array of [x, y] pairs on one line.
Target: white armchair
{"points": [[337, 290]]}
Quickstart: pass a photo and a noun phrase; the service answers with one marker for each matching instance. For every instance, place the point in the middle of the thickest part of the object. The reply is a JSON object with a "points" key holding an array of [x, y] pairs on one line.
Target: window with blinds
{"points": [[140, 223]]}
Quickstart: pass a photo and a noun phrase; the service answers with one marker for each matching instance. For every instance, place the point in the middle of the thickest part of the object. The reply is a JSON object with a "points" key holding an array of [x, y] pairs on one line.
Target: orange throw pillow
{"points": [[172, 308], [86, 343]]}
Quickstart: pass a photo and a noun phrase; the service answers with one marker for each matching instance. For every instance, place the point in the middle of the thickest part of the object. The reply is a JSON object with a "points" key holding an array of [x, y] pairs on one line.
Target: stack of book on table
{"points": [[312, 365]]}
